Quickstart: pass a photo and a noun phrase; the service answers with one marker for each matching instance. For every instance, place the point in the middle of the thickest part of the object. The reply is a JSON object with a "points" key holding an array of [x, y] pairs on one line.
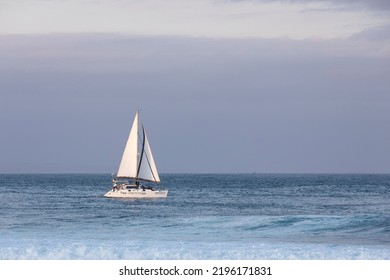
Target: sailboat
{"points": [[137, 166]]}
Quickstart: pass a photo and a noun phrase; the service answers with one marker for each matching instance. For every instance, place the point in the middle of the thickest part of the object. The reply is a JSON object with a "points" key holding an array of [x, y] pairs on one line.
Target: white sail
{"points": [[147, 168], [129, 164]]}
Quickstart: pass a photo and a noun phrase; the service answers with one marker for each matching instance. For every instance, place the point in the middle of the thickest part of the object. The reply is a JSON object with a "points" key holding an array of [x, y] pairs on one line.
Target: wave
{"points": [[320, 224], [208, 237], [153, 250], [213, 237], [356, 229]]}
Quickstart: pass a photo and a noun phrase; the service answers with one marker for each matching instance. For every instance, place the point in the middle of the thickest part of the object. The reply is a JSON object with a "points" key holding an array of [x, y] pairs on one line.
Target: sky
{"points": [[289, 86]]}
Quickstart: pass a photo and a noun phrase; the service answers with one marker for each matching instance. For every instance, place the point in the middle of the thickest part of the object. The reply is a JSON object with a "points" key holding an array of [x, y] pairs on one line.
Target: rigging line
{"points": [[142, 151], [138, 155]]}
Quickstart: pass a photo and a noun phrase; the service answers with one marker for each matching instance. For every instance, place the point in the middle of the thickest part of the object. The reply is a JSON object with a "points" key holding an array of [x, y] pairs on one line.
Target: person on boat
{"points": [[115, 186]]}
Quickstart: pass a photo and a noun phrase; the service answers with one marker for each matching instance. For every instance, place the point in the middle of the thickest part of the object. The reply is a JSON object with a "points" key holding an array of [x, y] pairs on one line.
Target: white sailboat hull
{"points": [[136, 193]]}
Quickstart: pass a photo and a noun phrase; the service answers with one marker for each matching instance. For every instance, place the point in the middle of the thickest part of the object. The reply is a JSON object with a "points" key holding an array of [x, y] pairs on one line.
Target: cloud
{"points": [[200, 18], [372, 4], [381, 33], [106, 52], [113, 53], [68, 98]]}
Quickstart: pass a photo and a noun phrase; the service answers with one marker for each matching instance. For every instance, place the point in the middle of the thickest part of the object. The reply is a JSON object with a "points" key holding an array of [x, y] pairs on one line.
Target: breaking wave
{"points": [[152, 250]]}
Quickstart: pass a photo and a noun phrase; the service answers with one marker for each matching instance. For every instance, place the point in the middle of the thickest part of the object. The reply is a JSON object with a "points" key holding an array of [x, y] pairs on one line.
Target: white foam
{"points": [[192, 250]]}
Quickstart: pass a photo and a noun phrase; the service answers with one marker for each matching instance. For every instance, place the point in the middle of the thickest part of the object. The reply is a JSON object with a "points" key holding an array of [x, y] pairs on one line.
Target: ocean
{"points": [[205, 216]]}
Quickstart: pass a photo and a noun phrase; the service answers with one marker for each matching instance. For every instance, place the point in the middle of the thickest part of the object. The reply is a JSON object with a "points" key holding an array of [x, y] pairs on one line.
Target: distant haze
{"points": [[222, 86]]}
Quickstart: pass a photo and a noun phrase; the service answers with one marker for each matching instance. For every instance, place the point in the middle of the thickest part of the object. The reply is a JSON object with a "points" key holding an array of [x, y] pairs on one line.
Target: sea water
{"points": [[205, 216]]}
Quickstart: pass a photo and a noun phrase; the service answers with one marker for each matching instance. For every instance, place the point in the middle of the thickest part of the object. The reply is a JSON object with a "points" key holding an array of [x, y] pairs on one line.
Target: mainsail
{"points": [[138, 162], [129, 165]]}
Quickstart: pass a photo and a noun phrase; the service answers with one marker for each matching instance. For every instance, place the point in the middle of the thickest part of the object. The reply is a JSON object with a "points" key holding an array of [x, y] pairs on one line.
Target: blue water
{"points": [[224, 216]]}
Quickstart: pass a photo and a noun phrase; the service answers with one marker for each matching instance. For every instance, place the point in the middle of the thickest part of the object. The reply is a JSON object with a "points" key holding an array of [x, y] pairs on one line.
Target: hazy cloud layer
{"points": [[222, 85], [375, 4], [195, 18], [209, 105]]}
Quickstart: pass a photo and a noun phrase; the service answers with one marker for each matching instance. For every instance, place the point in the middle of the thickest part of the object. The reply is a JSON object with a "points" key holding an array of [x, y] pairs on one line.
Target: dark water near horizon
{"points": [[205, 216]]}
